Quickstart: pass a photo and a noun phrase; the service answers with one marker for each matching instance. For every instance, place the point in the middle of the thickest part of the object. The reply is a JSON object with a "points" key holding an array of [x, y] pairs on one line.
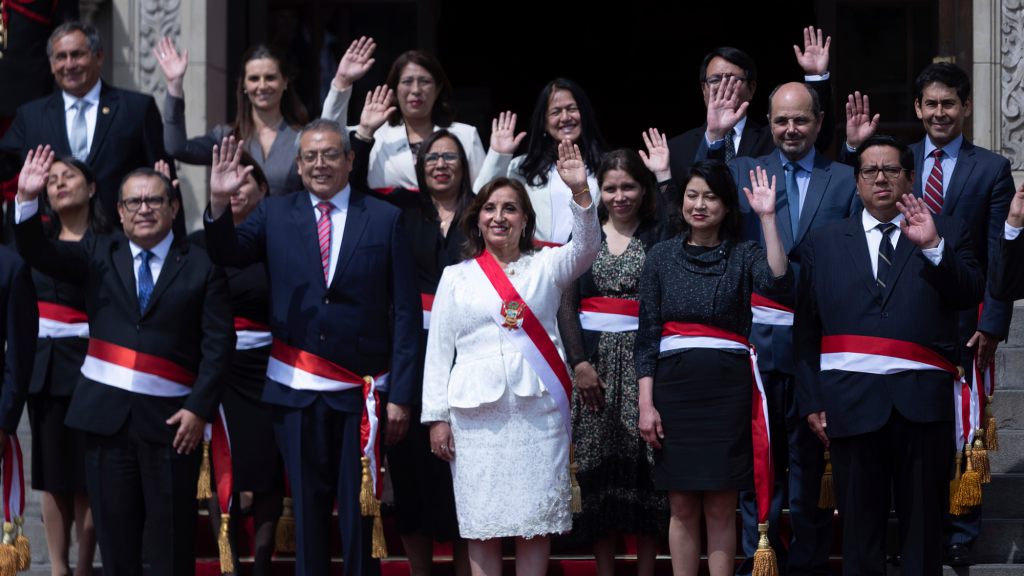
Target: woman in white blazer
{"points": [[563, 111], [424, 97]]}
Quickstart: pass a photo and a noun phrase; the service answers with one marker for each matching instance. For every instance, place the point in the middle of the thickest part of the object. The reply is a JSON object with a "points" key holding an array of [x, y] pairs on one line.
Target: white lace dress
{"points": [[510, 471]]}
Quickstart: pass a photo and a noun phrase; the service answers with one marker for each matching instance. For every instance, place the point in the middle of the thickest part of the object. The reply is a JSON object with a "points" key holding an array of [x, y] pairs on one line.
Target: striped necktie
{"points": [[323, 232], [885, 254], [730, 149], [933, 186]]}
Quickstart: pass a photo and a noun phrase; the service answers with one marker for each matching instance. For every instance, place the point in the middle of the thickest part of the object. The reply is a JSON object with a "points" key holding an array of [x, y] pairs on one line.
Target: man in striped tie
{"points": [[955, 178]]}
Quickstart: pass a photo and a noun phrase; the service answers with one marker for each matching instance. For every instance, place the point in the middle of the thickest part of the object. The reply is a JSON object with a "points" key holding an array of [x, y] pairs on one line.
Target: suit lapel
{"points": [[749, 138], [175, 261], [857, 244], [918, 150], [57, 119], [305, 222], [904, 249], [816, 188], [125, 265], [110, 103], [355, 223], [961, 174]]}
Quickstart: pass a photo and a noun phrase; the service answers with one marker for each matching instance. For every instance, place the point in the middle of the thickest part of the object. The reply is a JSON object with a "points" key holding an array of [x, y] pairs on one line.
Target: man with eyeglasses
{"points": [[346, 319], [877, 349], [748, 138], [957, 178], [161, 338]]}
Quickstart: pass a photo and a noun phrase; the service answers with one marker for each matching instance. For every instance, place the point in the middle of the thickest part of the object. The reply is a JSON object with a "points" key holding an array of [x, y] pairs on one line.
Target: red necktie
{"points": [[933, 187], [323, 231]]}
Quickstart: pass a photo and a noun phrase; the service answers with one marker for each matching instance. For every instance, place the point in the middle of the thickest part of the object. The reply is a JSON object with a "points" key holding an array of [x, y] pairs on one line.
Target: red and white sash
{"points": [[984, 380], [871, 355], [679, 335], [251, 334], [609, 314], [428, 305], [301, 370], [14, 479], [768, 311], [133, 371], [59, 321], [216, 433], [524, 330]]}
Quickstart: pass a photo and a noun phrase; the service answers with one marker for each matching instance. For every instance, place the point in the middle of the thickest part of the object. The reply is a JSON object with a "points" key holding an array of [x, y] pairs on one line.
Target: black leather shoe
{"points": [[957, 555]]}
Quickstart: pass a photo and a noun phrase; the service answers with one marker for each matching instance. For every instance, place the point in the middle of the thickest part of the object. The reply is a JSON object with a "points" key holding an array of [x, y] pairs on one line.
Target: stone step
{"points": [[1001, 498], [977, 570], [1010, 456], [1001, 542]]}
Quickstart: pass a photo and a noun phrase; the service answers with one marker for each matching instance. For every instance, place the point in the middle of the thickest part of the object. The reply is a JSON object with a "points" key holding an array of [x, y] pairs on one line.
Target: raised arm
{"points": [[573, 259], [762, 202], [504, 142], [226, 245], [354, 65]]}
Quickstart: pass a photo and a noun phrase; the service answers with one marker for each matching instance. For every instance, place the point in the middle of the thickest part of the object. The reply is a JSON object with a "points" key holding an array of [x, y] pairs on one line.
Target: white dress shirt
{"points": [[950, 153], [93, 98], [339, 212], [156, 261], [934, 255], [1009, 232]]}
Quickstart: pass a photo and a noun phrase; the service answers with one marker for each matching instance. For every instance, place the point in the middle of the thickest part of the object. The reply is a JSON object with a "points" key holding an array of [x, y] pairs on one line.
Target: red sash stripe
{"points": [[140, 361], [758, 300], [244, 324], [885, 347], [312, 363], [541, 244], [61, 313], [690, 329], [611, 306], [428, 302]]}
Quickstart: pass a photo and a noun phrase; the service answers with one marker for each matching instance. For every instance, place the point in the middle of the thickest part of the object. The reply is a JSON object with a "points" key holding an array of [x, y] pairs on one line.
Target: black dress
{"points": [[703, 395], [255, 459]]}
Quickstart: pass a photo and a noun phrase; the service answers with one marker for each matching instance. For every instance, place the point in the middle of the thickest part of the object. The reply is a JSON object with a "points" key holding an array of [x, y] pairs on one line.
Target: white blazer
{"points": [[391, 161], [498, 165]]}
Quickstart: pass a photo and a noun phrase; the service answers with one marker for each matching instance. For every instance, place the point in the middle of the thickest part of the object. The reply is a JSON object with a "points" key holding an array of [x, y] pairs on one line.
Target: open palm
{"points": [[571, 168], [814, 57], [656, 158], [226, 178], [35, 173], [355, 63], [724, 109], [762, 196], [859, 124], [376, 111], [172, 64], [503, 133]]}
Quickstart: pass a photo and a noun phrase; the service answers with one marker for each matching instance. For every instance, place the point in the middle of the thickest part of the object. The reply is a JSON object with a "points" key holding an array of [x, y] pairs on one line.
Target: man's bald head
{"points": [[795, 116]]}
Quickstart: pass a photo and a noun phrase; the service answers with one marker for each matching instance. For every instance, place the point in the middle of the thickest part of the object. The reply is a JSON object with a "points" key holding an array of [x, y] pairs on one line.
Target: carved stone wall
{"points": [[157, 18], [1012, 81]]}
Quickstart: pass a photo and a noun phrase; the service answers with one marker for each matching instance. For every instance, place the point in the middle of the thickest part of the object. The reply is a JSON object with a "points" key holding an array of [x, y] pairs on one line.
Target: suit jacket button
{"points": [[327, 300], [322, 337], [137, 327], [885, 314]]}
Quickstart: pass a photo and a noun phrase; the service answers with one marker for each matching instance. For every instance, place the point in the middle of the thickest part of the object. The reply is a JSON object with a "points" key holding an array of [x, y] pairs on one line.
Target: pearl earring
{"points": [[245, 91], [524, 233]]}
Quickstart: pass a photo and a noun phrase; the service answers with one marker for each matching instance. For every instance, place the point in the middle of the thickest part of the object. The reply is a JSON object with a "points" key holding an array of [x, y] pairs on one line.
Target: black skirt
{"points": [[255, 458], [704, 397], [58, 451]]}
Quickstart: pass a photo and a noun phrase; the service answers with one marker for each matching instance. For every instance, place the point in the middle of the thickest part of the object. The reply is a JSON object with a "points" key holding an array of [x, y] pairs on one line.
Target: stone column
{"points": [[998, 93]]}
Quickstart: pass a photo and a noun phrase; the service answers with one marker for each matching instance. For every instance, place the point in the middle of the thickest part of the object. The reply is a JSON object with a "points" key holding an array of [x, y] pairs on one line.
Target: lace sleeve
{"points": [[569, 262], [569, 325], [440, 357]]}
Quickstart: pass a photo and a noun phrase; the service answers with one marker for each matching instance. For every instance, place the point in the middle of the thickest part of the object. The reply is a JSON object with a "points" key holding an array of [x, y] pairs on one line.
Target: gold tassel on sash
{"points": [[226, 565], [284, 537], [969, 492], [368, 503], [203, 492], [954, 487], [991, 432], [827, 498], [21, 544], [576, 500], [979, 458], [380, 547], [765, 563], [8, 553]]}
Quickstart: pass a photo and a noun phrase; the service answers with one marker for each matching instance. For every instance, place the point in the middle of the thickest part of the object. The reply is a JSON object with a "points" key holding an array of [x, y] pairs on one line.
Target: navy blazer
{"points": [[1006, 275], [21, 317], [831, 196], [838, 295], [349, 322]]}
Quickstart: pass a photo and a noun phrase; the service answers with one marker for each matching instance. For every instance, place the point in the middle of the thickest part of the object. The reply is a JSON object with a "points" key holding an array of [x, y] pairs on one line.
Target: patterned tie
{"points": [[145, 281], [885, 253], [793, 194], [730, 149], [933, 187], [79, 137], [323, 231]]}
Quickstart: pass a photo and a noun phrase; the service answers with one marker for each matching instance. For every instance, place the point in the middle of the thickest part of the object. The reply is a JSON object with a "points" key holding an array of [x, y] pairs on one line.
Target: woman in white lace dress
{"points": [[500, 424]]}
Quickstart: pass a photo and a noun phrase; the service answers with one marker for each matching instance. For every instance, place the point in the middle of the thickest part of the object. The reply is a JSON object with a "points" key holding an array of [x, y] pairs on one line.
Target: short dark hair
{"points": [[172, 192], [98, 223], [947, 73], [443, 113], [629, 162], [906, 154], [719, 179], [465, 196], [92, 36], [815, 102], [733, 56], [475, 244]]}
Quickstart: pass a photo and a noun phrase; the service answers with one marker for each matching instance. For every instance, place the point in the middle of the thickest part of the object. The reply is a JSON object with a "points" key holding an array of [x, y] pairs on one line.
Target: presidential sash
{"points": [[59, 321], [768, 311], [134, 371], [251, 334], [216, 438], [609, 314], [428, 305]]}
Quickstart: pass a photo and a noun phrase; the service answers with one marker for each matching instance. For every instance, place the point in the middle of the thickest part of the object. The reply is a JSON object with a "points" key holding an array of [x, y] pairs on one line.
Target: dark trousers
{"points": [[911, 461], [322, 454], [963, 529], [794, 446], [137, 487]]}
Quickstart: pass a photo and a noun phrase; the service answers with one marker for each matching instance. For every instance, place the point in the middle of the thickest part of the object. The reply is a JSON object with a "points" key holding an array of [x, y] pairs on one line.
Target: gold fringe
{"points": [[380, 547], [284, 537], [979, 458], [954, 487], [226, 565], [991, 429], [8, 553], [765, 563], [22, 545], [203, 492], [969, 493], [576, 498], [827, 497], [368, 503]]}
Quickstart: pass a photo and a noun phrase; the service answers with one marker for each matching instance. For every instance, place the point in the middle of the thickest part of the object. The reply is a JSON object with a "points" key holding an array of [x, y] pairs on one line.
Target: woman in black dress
{"points": [[696, 401], [258, 471], [424, 499], [71, 205]]}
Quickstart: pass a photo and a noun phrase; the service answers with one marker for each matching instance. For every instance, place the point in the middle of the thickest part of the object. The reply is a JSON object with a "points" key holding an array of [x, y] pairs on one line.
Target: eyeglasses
{"points": [[450, 158], [153, 203], [716, 80], [329, 157], [890, 172]]}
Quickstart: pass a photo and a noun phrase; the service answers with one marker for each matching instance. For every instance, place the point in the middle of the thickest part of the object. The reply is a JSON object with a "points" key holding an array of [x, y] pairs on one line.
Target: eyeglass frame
{"points": [[719, 79], [457, 161], [164, 200], [320, 155], [860, 173]]}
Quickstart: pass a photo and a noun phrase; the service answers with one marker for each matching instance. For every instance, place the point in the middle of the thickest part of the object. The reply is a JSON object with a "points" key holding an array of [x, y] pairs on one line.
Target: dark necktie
{"points": [[933, 186], [793, 194], [885, 253], [730, 149], [145, 281]]}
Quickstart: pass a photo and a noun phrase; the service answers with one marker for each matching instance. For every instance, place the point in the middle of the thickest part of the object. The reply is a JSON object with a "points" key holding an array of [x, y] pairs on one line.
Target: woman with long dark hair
{"points": [[269, 117], [71, 204], [563, 111], [423, 104]]}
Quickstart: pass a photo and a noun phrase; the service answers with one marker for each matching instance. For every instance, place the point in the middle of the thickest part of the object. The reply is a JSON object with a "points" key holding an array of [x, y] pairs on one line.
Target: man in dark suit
{"points": [[114, 131], [748, 138], [344, 300], [812, 191], [17, 294], [161, 340], [968, 182], [901, 277], [1007, 275]]}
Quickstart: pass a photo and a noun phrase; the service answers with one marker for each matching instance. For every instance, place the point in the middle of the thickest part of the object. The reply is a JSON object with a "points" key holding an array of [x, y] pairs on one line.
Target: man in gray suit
{"points": [[812, 191]]}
